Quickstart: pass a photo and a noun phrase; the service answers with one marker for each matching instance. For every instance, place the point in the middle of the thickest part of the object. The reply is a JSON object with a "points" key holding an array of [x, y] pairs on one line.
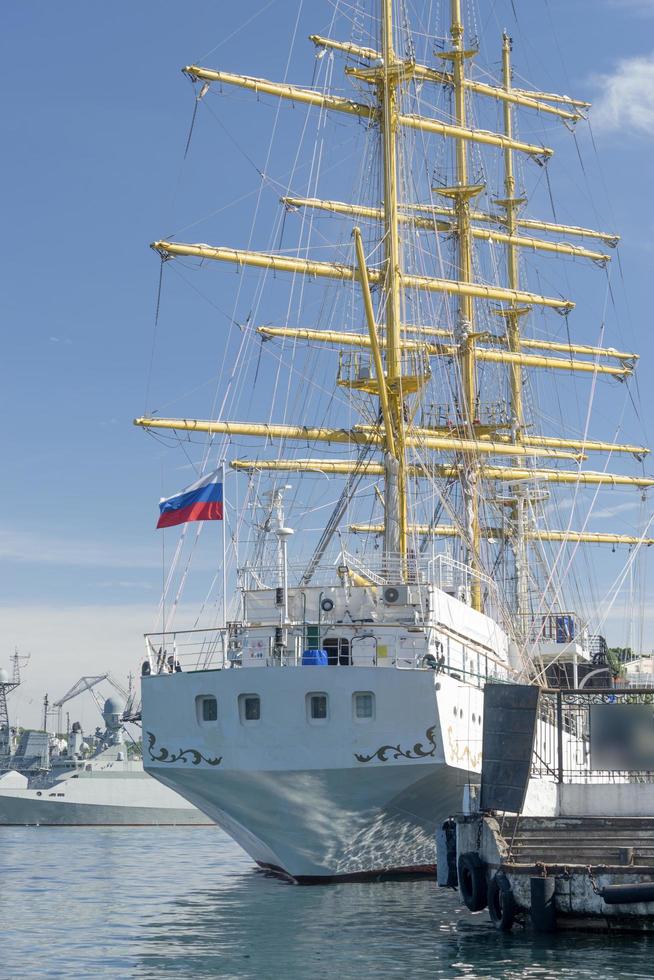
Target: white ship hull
{"points": [[330, 824], [320, 801]]}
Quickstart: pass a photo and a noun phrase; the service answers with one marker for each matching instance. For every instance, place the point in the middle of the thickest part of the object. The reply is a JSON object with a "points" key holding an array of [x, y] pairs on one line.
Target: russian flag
{"points": [[202, 501]]}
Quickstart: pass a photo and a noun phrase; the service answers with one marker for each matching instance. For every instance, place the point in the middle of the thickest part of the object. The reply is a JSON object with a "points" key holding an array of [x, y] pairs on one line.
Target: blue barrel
{"points": [[314, 658], [565, 629]]}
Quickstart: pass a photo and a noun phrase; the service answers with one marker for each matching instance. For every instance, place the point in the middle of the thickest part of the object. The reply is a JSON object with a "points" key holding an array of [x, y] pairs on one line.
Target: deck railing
{"points": [[596, 736]]}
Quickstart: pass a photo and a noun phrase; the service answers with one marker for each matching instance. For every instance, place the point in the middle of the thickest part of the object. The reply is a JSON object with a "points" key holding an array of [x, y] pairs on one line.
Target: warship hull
{"points": [[28, 811], [108, 793]]}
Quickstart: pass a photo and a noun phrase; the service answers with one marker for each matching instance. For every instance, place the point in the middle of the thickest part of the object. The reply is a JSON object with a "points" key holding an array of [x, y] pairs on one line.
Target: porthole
{"points": [[474, 718], [460, 712], [456, 711]]}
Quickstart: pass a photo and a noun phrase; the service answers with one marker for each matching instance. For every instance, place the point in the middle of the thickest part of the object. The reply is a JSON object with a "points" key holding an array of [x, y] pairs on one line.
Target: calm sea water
{"points": [[186, 903]]}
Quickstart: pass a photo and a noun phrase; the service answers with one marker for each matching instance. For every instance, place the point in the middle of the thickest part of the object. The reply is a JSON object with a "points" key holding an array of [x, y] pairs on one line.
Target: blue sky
{"points": [[95, 119]]}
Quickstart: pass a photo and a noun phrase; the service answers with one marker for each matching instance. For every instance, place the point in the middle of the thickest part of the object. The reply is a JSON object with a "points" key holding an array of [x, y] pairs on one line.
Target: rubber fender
{"points": [[501, 903], [543, 903], [446, 855], [642, 891], [472, 881]]}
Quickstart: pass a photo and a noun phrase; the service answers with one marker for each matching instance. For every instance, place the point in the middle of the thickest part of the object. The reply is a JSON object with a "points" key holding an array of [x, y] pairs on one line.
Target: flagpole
{"points": [[224, 536]]}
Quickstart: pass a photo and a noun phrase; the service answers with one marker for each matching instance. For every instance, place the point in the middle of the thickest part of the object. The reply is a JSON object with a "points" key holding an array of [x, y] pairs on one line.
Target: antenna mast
{"points": [[7, 685]]}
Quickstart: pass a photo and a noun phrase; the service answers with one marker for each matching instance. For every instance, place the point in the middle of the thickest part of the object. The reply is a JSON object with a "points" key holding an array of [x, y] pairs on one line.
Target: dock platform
{"points": [[568, 848]]}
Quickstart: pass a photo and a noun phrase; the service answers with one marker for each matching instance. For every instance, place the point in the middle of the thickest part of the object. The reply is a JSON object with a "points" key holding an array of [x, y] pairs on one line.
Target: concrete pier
{"points": [[583, 856]]}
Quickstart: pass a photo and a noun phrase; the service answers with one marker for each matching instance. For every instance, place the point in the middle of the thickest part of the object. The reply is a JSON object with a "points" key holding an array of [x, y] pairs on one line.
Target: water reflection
{"points": [[186, 903], [250, 926]]}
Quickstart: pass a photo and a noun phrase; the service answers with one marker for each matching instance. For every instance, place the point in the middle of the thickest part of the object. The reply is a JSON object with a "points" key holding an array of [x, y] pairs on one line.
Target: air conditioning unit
{"points": [[397, 595]]}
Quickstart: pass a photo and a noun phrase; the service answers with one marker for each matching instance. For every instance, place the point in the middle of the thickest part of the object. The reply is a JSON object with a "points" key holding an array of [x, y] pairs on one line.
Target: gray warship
{"points": [[78, 781]]}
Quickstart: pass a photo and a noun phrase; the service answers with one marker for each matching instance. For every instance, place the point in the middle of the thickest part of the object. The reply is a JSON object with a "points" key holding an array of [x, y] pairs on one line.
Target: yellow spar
{"points": [[525, 342], [573, 537], [344, 339], [531, 100], [508, 474], [359, 436], [433, 224], [347, 273], [338, 104]]}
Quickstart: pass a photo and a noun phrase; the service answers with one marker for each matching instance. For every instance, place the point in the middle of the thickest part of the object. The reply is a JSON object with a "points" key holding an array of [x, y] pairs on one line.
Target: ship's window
{"points": [[249, 707], [364, 705], [317, 707], [338, 650], [206, 709], [209, 709]]}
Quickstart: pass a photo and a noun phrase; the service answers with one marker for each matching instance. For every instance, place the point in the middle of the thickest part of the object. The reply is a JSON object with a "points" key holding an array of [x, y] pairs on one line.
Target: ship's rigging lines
{"points": [[471, 442]]}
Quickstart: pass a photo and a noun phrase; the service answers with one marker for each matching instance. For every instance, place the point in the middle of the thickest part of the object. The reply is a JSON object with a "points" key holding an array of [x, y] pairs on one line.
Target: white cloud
{"points": [[626, 97], [605, 513]]}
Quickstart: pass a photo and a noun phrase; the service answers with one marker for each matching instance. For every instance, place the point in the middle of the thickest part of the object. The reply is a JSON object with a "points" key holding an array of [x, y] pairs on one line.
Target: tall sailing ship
{"points": [[330, 721]]}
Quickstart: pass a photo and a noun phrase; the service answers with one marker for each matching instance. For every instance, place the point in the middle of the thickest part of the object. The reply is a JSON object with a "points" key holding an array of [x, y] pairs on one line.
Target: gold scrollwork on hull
{"points": [[459, 755]]}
